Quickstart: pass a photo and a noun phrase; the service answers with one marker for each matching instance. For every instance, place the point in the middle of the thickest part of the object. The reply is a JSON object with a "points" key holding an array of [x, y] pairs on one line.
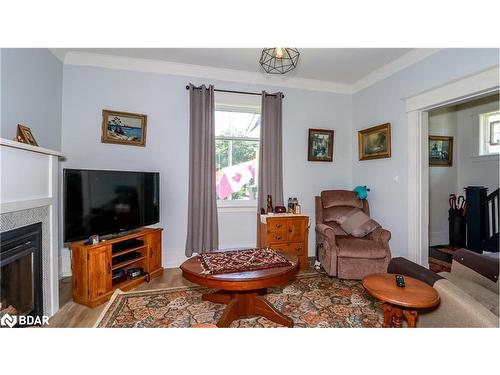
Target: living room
{"points": [[236, 185]]}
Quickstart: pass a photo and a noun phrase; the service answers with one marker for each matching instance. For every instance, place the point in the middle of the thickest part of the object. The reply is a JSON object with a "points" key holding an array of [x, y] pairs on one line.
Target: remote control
{"points": [[400, 281]]}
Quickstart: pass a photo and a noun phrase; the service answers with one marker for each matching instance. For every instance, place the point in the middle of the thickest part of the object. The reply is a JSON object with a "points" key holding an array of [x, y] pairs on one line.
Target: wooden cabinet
{"points": [[93, 266], [99, 261], [286, 233], [154, 261]]}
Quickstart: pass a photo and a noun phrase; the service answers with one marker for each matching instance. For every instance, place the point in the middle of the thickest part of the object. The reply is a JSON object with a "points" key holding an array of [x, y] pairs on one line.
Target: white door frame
{"points": [[417, 108]]}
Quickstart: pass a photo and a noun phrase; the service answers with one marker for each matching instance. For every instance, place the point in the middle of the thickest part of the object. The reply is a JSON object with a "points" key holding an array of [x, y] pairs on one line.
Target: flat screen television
{"points": [[108, 202]]}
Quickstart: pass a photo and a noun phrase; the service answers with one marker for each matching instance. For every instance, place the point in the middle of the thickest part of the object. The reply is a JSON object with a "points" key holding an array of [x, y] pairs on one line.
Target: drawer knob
{"points": [[278, 237], [278, 225]]}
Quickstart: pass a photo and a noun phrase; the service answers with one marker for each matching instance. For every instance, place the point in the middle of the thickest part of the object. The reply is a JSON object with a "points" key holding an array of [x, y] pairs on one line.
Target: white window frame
{"points": [[242, 103], [484, 132]]}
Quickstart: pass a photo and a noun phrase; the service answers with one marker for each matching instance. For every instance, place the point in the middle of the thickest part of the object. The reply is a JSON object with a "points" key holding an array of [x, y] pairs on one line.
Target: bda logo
{"points": [[8, 320]]}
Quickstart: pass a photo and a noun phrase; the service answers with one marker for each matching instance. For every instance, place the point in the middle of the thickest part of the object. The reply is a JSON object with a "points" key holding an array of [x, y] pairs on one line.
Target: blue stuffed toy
{"points": [[362, 191]]}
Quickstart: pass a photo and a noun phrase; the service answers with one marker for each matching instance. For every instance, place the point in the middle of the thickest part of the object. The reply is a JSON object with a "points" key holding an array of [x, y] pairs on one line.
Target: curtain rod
{"points": [[237, 92]]}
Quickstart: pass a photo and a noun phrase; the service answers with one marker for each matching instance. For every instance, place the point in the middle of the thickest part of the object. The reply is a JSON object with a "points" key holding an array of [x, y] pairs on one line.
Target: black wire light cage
{"points": [[279, 60]]}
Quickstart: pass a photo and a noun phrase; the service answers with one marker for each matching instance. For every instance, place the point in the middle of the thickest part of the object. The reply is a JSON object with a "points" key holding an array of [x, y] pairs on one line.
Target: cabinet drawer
{"points": [[274, 225], [290, 248], [296, 230], [278, 236]]}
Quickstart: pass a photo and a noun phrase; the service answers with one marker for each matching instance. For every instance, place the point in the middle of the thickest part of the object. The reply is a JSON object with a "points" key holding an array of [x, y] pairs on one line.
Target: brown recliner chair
{"points": [[345, 256]]}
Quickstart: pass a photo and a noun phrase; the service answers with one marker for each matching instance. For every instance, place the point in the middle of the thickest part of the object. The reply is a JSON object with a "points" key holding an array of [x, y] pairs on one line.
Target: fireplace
{"points": [[21, 271]]}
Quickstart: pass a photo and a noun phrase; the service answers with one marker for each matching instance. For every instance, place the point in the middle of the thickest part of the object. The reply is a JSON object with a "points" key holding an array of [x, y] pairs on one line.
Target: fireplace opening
{"points": [[21, 271]]}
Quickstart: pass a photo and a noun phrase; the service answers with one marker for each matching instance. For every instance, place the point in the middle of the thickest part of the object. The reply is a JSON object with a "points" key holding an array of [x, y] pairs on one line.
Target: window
{"points": [[489, 133], [237, 136]]}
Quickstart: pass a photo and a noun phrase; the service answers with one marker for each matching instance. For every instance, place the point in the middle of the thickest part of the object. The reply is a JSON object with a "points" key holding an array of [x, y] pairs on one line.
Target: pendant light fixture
{"points": [[279, 60]]}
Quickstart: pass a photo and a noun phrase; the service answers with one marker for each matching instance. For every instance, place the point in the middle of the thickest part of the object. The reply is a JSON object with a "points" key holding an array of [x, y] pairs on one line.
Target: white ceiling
{"points": [[339, 65]]}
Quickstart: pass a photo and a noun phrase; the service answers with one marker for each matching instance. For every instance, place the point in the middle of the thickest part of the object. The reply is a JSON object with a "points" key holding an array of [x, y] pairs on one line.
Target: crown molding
{"points": [[408, 59], [60, 53], [200, 71]]}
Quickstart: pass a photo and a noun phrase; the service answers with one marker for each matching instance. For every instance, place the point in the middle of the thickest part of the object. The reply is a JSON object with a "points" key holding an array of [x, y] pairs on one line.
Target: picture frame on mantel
{"points": [[24, 135], [320, 145], [124, 128], [375, 142]]}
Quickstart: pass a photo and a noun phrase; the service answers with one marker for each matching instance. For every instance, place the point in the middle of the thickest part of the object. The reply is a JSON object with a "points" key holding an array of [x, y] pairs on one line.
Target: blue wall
{"points": [[31, 94], [384, 102]]}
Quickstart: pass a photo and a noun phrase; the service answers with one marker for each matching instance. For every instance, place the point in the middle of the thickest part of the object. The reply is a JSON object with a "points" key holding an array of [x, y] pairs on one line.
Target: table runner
{"points": [[242, 261]]}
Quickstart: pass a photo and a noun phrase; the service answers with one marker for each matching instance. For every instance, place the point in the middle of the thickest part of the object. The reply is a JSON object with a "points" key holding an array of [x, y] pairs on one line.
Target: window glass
{"points": [[237, 147], [490, 131]]}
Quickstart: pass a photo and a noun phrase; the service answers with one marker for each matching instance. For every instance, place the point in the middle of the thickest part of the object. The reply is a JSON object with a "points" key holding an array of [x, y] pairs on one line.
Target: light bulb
{"points": [[279, 52]]}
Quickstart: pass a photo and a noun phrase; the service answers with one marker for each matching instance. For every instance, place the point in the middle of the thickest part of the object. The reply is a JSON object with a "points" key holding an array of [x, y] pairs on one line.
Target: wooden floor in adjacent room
{"points": [[72, 314]]}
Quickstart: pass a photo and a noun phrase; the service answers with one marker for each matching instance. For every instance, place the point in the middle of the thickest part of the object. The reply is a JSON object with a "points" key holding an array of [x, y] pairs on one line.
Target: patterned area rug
{"points": [[311, 300], [242, 260]]}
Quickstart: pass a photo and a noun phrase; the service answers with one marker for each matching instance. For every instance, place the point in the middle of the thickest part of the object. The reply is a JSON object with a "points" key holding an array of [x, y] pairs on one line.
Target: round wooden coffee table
{"points": [[243, 292], [399, 301]]}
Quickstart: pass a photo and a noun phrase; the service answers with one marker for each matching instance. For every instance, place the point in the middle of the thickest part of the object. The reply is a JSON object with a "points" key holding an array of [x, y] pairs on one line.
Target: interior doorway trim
{"points": [[417, 108]]}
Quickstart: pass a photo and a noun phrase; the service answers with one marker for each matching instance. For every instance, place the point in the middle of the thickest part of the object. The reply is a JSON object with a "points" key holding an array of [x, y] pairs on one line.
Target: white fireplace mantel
{"points": [[29, 180], [28, 176]]}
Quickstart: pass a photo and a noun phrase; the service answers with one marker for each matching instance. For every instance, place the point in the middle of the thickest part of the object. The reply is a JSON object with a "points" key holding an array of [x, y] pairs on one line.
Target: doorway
{"points": [[417, 107], [463, 152]]}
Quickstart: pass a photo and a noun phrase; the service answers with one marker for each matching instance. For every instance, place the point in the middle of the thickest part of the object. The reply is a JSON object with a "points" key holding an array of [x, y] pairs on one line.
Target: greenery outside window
{"points": [[237, 138]]}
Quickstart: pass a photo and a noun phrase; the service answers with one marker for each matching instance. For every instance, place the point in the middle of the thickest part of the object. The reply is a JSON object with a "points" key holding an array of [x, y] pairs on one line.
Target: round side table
{"points": [[399, 302]]}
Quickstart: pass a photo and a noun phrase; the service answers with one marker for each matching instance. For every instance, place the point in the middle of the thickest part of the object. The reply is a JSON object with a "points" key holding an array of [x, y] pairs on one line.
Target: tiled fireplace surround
{"points": [[28, 195], [18, 219]]}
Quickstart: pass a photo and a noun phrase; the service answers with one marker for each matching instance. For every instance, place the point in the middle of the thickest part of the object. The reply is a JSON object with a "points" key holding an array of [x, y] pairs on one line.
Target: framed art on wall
{"points": [[320, 145], [440, 151], [123, 128], [375, 142], [24, 135]]}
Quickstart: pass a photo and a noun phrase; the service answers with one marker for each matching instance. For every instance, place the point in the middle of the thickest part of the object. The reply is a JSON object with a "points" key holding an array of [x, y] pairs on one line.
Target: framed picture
{"points": [[24, 135], [375, 142], [320, 145], [123, 128], [440, 151]]}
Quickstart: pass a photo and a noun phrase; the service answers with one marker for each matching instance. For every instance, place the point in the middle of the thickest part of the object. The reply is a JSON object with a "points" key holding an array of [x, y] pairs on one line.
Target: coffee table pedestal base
{"points": [[244, 305], [393, 316]]}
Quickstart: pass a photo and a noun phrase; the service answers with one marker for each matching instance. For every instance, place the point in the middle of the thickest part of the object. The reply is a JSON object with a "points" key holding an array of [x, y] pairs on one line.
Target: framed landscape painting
{"points": [[123, 128], [375, 142], [440, 151], [320, 146]]}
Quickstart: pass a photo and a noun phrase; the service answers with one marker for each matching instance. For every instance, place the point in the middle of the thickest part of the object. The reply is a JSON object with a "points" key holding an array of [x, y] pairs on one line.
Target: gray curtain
{"points": [[271, 151], [202, 231]]}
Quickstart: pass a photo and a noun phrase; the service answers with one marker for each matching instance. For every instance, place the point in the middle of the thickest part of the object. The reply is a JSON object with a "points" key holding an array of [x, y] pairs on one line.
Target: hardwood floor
{"points": [[72, 314]]}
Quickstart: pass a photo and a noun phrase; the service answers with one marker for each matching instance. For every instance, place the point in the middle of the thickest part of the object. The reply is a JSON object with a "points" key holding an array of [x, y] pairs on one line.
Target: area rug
{"points": [[242, 261], [312, 300]]}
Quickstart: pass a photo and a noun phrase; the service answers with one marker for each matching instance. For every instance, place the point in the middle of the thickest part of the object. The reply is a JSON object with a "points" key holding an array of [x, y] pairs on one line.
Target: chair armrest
{"points": [[325, 230], [482, 264], [403, 266], [318, 209], [457, 309], [381, 235]]}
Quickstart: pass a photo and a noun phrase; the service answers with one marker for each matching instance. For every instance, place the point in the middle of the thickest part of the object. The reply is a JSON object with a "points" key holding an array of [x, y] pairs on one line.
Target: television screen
{"points": [[108, 202]]}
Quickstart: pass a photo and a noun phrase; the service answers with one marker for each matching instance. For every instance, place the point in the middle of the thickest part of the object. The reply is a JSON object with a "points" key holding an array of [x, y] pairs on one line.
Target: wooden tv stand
{"points": [[93, 265]]}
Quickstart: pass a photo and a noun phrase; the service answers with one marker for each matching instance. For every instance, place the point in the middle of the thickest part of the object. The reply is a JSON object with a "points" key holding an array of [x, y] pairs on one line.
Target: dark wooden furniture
{"points": [[92, 265], [242, 292], [482, 216], [286, 234], [400, 302]]}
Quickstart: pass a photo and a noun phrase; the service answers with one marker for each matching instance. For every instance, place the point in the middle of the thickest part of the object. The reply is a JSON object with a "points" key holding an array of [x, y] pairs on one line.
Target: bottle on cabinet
{"points": [[293, 205]]}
